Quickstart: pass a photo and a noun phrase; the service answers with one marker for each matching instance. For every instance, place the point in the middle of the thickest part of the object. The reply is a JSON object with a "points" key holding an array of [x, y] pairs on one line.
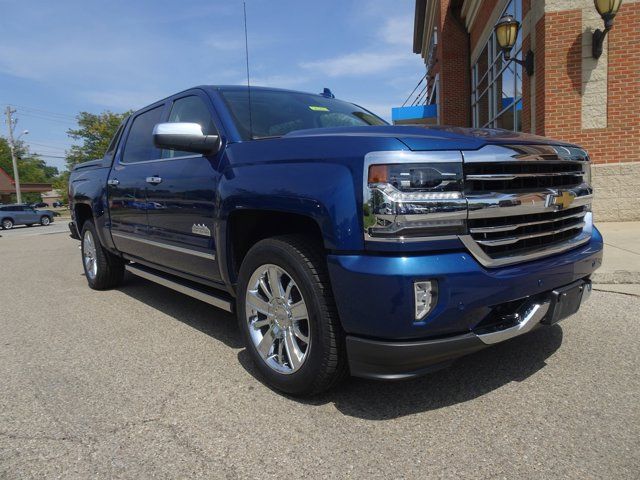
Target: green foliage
{"points": [[61, 183], [30, 167], [95, 133]]}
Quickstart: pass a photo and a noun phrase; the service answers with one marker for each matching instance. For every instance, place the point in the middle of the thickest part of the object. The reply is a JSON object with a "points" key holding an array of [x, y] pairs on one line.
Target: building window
{"points": [[496, 97]]}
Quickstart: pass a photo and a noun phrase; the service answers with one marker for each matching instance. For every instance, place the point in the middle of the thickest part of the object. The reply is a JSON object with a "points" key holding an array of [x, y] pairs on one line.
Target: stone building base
{"points": [[617, 192]]}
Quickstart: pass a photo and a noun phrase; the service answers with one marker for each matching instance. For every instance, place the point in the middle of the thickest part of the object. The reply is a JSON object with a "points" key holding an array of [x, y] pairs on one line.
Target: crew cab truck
{"points": [[342, 243]]}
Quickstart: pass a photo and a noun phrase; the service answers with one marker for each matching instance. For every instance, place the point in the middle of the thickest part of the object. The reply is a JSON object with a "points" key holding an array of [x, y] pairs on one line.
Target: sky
{"points": [[60, 58]]}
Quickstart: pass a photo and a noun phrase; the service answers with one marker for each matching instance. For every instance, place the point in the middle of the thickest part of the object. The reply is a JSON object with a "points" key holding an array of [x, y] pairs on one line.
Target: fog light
{"points": [[426, 296]]}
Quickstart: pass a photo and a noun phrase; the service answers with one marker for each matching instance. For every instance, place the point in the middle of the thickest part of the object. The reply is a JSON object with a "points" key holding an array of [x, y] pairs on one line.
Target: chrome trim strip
{"points": [[432, 238], [499, 177], [510, 204], [510, 240], [526, 153], [531, 317], [192, 292], [508, 228], [187, 251]]}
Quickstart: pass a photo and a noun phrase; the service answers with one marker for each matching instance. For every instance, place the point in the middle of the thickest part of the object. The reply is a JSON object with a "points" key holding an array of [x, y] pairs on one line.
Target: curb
{"points": [[616, 277]]}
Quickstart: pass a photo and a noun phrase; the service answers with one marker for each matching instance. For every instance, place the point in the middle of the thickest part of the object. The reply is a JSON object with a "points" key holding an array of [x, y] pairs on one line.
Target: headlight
{"points": [[412, 195]]}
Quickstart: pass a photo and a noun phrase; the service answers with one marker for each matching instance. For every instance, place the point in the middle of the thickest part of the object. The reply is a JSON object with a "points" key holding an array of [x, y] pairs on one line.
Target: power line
{"points": [[66, 115], [50, 119], [47, 156], [51, 147]]}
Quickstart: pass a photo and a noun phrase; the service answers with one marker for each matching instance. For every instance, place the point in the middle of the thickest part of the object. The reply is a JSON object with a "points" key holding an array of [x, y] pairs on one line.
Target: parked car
{"points": [[58, 204], [39, 205], [11, 215], [343, 244]]}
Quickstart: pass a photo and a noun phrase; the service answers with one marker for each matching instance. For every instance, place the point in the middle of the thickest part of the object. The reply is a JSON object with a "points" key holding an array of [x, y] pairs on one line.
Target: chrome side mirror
{"points": [[187, 137]]}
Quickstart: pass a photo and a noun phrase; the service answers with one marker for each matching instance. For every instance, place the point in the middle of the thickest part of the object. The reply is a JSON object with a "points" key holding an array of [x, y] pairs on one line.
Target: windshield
{"points": [[275, 113]]}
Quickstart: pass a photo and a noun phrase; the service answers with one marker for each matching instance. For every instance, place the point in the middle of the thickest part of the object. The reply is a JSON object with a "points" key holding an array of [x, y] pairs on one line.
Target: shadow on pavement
{"points": [[199, 315], [466, 379]]}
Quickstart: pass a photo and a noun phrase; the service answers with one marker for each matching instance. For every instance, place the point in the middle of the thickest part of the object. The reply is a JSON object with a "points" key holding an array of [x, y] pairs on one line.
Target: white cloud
{"points": [[276, 81], [224, 44], [361, 63], [398, 31], [124, 99]]}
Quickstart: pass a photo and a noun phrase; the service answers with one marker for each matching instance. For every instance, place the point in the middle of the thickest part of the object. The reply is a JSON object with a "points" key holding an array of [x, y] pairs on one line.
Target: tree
{"points": [[95, 132], [30, 167]]}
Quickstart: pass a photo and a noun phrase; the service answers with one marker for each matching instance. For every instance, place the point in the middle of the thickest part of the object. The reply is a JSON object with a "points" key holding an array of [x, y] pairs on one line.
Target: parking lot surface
{"points": [[143, 382]]}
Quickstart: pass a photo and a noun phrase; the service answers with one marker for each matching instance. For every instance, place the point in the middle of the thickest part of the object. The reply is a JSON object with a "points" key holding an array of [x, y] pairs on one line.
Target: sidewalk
{"points": [[621, 263]]}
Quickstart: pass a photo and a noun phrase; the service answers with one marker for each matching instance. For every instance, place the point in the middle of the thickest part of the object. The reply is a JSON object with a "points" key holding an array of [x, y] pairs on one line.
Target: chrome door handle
{"points": [[154, 180], [113, 181]]}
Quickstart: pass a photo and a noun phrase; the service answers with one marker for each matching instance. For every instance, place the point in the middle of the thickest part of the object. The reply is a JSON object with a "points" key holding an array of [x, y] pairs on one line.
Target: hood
{"points": [[421, 138]]}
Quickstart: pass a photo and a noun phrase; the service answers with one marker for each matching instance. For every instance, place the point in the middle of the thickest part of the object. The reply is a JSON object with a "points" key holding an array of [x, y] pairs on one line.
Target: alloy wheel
{"points": [[278, 319], [89, 255]]}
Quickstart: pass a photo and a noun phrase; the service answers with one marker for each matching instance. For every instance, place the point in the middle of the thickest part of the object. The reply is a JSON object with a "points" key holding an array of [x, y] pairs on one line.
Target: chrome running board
{"points": [[183, 287]]}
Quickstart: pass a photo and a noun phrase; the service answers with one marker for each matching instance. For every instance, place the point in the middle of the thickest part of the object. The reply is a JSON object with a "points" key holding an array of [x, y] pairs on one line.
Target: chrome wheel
{"points": [[7, 224], [45, 221], [89, 255], [277, 317]]}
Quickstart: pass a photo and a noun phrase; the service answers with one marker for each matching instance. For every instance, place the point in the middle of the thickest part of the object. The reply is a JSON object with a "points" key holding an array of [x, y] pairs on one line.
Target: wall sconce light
{"points": [[607, 10], [506, 31]]}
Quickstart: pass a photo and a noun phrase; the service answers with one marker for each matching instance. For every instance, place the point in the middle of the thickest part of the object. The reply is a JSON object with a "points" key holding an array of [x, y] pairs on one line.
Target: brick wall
{"points": [[560, 101], [455, 76]]}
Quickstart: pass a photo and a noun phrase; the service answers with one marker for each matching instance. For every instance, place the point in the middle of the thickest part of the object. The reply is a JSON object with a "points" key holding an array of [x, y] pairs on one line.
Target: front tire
{"points": [[102, 269], [44, 221], [288, 316]]}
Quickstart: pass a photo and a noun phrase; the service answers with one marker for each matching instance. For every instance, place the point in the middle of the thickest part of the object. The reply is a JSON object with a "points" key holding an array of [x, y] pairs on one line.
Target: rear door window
{"points": [[139, 146]]}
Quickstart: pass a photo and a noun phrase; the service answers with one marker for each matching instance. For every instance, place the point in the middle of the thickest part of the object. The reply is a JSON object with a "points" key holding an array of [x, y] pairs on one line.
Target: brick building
{"points": [[8, 187], [570, 95]]}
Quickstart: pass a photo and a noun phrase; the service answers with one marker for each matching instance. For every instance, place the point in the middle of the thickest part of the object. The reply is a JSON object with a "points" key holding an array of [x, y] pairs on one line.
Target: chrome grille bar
{"points": [[501, 177], [518, 238], [515, 226]]}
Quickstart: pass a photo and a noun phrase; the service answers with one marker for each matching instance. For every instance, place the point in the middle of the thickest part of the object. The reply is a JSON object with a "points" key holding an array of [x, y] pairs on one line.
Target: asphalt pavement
{"points": [[143, 382]]}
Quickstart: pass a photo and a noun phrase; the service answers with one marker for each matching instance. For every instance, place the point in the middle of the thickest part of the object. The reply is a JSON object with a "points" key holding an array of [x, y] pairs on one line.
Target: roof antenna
{"points": [[246, 48]]}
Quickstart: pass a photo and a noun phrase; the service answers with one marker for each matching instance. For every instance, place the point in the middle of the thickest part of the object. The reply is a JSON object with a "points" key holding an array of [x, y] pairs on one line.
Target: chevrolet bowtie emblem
{"points": [[561, 200]]}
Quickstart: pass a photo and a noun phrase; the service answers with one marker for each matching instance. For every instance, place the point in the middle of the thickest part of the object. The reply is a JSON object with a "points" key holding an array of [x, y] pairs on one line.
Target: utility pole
{"points": [[12, 148]]}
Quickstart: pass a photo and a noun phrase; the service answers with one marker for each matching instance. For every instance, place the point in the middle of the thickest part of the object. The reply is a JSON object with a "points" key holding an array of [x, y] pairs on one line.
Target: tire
{"points": [[102, 269], [45, 220], [297, 259], [7, 224]]}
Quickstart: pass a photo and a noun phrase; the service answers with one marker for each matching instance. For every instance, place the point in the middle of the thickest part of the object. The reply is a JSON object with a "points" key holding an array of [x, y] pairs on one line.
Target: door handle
{"points": [[154, 180], [113, 181]]}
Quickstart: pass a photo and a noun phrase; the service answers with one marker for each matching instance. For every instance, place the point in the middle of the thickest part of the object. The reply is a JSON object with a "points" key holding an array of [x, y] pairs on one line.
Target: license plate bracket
{"points": [[566, 301]]}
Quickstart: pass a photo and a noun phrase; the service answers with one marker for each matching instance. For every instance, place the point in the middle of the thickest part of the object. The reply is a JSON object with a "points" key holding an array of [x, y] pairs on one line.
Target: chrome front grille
{"points": [[526, 202], [497, 236], [519, 176]]}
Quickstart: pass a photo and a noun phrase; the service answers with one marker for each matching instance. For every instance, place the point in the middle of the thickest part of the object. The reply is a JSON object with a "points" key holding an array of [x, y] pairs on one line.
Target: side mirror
{"points": [[187, 137]]}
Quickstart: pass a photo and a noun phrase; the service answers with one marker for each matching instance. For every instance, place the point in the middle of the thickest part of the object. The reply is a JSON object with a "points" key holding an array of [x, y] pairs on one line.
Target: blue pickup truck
{"points": [[342, 243]]}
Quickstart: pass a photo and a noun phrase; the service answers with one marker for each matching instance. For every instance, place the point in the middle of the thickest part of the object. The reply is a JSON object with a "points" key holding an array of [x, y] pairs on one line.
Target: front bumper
{"points": [[375, 299], [397, 360]]}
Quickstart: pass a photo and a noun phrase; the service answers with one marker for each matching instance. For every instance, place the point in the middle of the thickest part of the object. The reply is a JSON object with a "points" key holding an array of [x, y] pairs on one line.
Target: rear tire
{"points": [[318, 360], [7, 224], [102, 269]]}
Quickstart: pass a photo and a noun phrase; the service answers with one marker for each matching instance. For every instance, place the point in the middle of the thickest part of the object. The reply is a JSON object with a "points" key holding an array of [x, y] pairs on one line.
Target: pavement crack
{"points": [[620, 293], [14, 436]]}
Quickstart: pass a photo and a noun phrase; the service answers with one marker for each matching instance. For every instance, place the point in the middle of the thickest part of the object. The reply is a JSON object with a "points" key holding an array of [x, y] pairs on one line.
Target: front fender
{"points": [[322, 191]]}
